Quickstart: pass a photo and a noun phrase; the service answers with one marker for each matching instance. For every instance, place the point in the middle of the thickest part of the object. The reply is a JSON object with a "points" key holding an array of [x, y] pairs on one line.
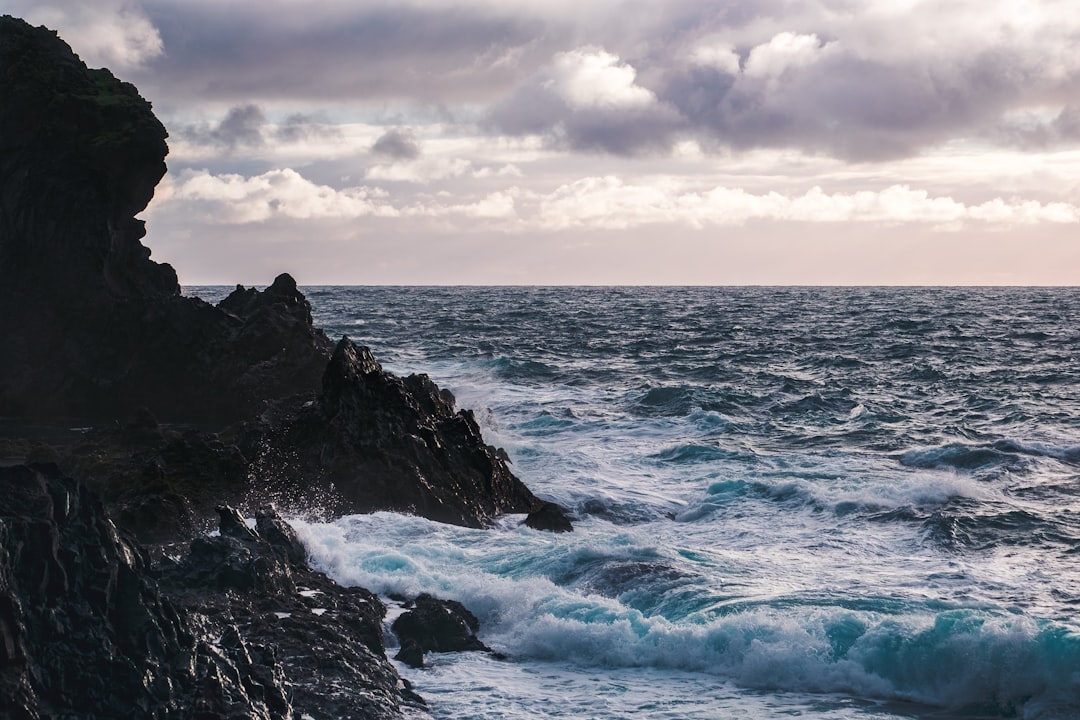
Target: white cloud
{"points": [[718, 55], [423, 170], [610, 203], [593, 78], [232, 199], [104, 33], [235, 199], [784, 51]]}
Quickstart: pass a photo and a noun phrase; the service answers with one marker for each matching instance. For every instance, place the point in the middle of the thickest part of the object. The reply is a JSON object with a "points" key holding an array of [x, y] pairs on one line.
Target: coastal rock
{"points": [[253, 588], [374, 441], [551, 517], [85, 631], [240, 626], [434, 625], [93, 327]]}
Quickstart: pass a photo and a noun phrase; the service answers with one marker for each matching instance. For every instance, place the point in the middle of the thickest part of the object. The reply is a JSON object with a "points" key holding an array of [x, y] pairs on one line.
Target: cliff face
{"points": [[95, 330], [80, 155], [93, 327]]}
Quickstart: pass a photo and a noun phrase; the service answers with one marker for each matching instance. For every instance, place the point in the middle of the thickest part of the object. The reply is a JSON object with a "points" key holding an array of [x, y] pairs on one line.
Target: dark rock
{"points": [[411, 653], [373, 441], [93, 327], [434, 625], [252, 587], [239, 627], [85, 631], [551, 517]]}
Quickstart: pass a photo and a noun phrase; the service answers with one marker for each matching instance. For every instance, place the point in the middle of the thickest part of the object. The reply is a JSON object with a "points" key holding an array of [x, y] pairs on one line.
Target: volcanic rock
{"points": [[238, 627], [549, 516], [434, 625], [374, 441], [94, 328]]}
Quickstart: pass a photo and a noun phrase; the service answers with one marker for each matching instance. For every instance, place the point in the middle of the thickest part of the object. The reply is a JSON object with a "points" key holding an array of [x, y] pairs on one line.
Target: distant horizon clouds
{"points": [[753, 142]]}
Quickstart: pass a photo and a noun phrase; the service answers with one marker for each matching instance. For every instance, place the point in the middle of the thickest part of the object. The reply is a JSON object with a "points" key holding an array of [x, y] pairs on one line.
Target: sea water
{"points": [[830, 503]]}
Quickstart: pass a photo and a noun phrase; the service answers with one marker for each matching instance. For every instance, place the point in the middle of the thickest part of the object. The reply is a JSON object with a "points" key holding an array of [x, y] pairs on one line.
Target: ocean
{"points": [[818, 502]]}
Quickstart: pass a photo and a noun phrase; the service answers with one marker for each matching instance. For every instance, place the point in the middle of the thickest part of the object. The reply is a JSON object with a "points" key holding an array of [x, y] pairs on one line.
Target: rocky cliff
{"points": [[95, 330], [194, 408]]}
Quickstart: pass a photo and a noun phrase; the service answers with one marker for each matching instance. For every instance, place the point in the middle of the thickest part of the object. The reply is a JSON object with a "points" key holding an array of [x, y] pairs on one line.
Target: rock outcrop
{"points": [[239, 627], [95, 330], [194, 408], [92, 327], [434, 625], [374, 441]]}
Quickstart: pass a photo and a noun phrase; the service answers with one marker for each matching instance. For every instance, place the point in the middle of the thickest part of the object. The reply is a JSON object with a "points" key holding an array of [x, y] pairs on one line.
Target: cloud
{"points": [[397, 144], [590, 78], [610, 203], [784, 51], [592, 203], [241, 126], [587, 99], [105, 33], [235, 199], [333, 52], [854, 79]]}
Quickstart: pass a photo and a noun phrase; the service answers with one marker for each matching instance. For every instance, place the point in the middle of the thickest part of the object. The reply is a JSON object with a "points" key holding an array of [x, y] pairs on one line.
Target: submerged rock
{"points": [[550, 516]]}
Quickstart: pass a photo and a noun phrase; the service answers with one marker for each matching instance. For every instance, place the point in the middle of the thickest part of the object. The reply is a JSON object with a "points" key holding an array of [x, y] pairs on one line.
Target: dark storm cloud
{"points": [[841, 96], [247, 126], [241, 126], [321, 52], [535, 109], [828, 101], [299, 126], [397, 143]]}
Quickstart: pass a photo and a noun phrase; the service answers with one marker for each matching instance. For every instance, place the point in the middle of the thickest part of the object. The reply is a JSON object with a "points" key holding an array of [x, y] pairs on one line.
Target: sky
{"points": [[630, 142]]}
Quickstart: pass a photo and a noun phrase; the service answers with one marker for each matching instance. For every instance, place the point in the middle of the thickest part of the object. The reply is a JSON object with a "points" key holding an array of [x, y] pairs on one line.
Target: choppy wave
{"points": [[623, 604], [827, 502]]}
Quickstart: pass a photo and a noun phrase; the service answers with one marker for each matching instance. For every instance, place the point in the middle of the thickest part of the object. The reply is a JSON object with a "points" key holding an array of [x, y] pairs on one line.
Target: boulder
{"points": [[434, 625], [551, 517]]}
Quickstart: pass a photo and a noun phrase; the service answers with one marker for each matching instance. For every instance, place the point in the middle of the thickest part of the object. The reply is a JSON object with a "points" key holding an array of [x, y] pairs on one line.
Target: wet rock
{"points": [[252, 586], [434, 625], [374, 441], [85, 631], [238, 627], [551, 517]]}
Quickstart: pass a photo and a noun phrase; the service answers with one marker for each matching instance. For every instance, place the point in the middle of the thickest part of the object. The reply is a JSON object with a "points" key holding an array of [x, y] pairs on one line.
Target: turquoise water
{"points": [[833, 503]]}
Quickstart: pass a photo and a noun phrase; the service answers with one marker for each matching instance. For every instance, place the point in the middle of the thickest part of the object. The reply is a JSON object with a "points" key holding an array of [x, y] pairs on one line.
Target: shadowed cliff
{"points": [[96, 331]]}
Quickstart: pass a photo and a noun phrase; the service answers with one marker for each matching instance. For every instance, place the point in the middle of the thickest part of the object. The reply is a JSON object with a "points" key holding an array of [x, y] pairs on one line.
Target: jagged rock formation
{"points": [[93, 328], [376, 441], [239, 627]]}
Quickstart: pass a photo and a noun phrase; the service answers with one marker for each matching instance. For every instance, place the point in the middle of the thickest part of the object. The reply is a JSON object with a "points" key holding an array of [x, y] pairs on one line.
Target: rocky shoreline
{"points": [[114, 600]]}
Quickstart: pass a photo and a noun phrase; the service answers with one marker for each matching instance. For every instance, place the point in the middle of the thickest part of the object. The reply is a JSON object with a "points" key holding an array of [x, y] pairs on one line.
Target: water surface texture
{"points": [[832, 503]]}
